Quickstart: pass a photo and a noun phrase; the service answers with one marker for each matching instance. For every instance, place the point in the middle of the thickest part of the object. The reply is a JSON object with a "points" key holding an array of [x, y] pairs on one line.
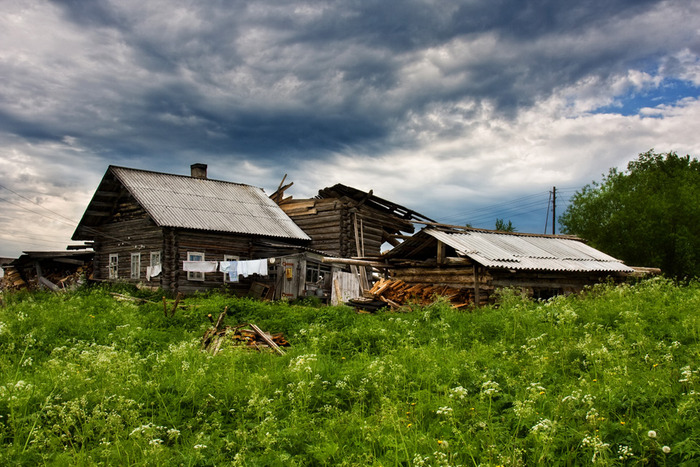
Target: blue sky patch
{"points": [[669, 91]]}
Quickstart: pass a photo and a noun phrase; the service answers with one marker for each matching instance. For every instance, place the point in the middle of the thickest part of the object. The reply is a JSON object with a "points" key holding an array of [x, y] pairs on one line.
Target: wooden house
{"points": [[346, 222], [481, 261], [146, 226]]}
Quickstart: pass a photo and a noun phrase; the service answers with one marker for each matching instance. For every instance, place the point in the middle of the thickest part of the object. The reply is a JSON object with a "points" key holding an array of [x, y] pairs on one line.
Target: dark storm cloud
{"points": [[272, 78], [473, 99]]}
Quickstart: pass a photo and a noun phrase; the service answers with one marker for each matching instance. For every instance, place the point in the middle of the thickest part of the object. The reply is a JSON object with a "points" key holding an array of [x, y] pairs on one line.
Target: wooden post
{"points": [[440, 252], [476, 285]]}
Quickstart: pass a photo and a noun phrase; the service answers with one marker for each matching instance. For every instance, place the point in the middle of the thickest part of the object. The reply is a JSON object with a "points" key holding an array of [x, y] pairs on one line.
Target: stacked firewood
{"points": [[12, 280], [248, 336], [396, 293], [53, 279]]}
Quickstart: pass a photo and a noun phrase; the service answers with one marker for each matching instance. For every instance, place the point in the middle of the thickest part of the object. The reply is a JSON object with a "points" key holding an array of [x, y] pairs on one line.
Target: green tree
{"points": [[502, 226], [648, 215]]}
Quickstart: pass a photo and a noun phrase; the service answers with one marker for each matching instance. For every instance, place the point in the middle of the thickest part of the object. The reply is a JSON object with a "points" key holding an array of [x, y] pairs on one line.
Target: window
{"points": [[135, 265], [314, 271], [155, 258], [114, 266], [230, 258], [191, 275]]}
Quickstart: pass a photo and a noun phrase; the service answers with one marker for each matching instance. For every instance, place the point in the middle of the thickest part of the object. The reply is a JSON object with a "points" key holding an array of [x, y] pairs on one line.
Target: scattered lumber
{"points": [[246, 336], [396, 293]]}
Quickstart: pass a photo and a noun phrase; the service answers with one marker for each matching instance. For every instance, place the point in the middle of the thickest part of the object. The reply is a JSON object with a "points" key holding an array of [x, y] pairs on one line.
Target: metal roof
{"points": [[513, 251], [205, 204]]}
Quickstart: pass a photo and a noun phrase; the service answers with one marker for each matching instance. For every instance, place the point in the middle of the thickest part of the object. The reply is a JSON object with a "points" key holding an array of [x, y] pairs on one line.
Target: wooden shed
{"points": [[347, 222], [481, 261], [148, 226]]}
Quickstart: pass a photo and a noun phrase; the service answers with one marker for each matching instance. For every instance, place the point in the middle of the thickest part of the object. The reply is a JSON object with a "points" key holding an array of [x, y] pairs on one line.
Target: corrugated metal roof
{"points": [[204, 204], [511, 251]]}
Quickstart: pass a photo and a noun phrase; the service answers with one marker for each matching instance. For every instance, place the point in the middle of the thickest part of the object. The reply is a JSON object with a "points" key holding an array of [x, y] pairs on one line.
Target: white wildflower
{"points": [[458, 393], [666, 449], [543, 426], [624, 452], [490, 388], [651, 434]]}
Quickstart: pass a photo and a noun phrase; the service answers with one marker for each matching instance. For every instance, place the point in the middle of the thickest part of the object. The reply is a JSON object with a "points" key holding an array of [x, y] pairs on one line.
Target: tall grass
{"points": [[610, 377]]}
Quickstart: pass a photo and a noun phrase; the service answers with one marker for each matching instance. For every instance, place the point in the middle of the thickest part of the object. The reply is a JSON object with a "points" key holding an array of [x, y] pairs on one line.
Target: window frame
{"points": [[113, 266], [230, 258], [136, 266], [193, 275], [158, 255]]}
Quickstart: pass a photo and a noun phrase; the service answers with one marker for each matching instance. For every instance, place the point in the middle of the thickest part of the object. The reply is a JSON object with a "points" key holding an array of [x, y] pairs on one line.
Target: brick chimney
{"points": [[199, 170]]}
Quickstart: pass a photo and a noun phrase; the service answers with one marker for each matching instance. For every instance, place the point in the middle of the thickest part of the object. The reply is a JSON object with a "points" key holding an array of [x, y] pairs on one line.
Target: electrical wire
{"points": [[70, 222]]}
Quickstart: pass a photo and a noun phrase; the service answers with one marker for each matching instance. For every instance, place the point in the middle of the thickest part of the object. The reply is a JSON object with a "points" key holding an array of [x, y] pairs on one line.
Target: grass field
{"points": [[610, 377]]}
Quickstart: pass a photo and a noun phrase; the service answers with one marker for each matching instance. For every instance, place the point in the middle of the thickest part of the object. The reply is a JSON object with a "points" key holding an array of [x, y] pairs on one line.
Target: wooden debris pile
{"points": [[55, 279], [247, 336], [396, 293]]}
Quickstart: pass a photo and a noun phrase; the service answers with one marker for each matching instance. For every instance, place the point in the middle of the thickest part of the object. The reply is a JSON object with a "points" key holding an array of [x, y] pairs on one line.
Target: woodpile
{"points": [[396, 293], [247, 336], [12, 280], [54, 280]]}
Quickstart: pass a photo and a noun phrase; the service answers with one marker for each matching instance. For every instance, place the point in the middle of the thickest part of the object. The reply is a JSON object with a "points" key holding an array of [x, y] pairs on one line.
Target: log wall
{"points": [[536, 284], [331, 225], [135, 235]]}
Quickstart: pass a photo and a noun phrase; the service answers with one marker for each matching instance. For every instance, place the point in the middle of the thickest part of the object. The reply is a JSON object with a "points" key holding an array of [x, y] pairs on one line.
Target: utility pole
{"points": [[554, 210]]}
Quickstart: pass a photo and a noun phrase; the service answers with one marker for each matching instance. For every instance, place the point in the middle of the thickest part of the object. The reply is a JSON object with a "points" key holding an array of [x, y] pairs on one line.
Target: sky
{"points": [[465, 111]]}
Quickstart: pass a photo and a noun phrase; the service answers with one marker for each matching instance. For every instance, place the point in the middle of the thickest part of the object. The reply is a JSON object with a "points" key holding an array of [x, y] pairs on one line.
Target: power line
{"points": [[471, 212], [42, 207], [72, 222], [35, 212]]}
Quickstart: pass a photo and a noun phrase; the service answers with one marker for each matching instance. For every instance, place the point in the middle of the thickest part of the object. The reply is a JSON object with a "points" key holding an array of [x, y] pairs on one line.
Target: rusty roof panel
{"points": [[204, 204]]}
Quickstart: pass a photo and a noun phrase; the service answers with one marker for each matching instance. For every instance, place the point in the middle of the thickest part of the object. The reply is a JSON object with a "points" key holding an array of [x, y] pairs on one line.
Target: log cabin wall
{"points": [[534, 284], [132, 234], [214, 246], [338, 226], [327, 223], [546, 284], [373, 227]]}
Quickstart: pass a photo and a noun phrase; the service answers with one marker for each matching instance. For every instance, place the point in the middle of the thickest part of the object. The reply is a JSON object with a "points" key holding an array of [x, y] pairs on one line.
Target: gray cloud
{"points": [[256, 89]]}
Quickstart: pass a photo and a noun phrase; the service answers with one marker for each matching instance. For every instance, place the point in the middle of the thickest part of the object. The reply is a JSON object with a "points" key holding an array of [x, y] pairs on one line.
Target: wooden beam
{"points": [[69, 261], [102, 204], [98, 213], [107, 194], [441, 252], [49, 284], [354, 262]]}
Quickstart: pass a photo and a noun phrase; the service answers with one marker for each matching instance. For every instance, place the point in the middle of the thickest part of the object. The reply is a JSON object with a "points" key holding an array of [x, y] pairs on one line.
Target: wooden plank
{"points": [[48, 283], [354, 262], [267, 339]]}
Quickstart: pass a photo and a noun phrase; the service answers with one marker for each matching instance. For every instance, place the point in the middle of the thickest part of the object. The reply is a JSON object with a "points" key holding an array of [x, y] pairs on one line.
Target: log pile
{"points": [[246, 336], [396, 293], [12, 280], [53, 279]]}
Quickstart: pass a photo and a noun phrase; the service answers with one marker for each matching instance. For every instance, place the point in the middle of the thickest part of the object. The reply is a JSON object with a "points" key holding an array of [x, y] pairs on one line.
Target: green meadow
{"points": [[610, 377]]}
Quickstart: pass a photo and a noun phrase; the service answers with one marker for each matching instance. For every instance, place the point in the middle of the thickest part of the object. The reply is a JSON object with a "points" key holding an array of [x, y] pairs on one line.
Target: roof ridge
{"points": [[456, 229], [188, 177]]}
